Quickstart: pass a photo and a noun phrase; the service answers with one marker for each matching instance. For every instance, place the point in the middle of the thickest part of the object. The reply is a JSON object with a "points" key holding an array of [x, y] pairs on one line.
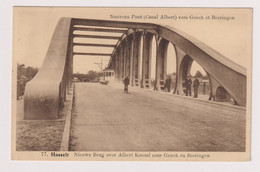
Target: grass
{"points": [[39, 135]]}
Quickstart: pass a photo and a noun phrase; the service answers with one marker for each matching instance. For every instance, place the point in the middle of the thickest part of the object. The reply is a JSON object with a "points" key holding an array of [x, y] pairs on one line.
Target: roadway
{"points": [[105, 118]]}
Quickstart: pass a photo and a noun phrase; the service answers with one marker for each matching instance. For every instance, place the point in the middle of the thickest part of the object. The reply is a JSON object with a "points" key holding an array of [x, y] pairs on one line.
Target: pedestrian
{"points": [[196, 84], [155, 86], [165, 84], [188, 83], [169, 84], [126, 83]]}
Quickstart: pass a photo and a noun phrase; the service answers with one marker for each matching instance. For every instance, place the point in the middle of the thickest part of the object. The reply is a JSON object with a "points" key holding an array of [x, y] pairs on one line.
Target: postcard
{"points": [[131, 84]]}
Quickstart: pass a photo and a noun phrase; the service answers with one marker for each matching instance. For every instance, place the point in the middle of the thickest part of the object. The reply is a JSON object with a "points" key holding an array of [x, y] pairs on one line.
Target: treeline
{"points": [[197, 74], [91, 76]]}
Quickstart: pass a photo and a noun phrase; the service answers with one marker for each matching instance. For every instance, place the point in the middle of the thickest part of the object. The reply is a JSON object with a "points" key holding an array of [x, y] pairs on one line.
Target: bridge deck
{"points": [[106, 119]]}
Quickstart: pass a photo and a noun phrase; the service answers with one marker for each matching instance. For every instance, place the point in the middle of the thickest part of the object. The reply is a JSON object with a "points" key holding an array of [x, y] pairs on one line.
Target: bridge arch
{"points": [[45, 94], [222, 95], [183, 70], [171, 64]]}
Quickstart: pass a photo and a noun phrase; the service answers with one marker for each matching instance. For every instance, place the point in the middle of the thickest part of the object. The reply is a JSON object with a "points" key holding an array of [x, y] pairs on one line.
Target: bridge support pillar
{"points": [[157, 82], [131, 61], [130, 42], [161, 63], [127, 58], [121, 62], [136, 58], [146, 64], [124, 46], [118, 65], [213, 88]]}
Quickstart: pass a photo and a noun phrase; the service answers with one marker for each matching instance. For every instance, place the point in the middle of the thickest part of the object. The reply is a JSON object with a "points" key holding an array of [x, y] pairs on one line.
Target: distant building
{"points": [[76, 79]]}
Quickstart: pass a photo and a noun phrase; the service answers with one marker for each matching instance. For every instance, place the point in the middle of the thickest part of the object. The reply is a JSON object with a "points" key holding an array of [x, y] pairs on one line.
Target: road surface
{"points": [[105, 118]]}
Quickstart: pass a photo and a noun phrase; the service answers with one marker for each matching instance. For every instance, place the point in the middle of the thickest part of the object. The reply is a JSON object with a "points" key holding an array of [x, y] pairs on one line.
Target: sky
{"points": [[34, 26]]}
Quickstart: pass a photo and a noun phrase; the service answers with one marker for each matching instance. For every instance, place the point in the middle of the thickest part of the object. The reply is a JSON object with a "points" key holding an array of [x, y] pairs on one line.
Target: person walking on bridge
{"points": [[196, 84], [188, 83], [169, 83], [126, 83], [165, 84]]}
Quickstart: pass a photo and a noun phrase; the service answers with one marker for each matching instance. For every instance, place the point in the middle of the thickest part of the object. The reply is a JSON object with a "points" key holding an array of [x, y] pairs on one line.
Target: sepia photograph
{"points": [[131, 84]]}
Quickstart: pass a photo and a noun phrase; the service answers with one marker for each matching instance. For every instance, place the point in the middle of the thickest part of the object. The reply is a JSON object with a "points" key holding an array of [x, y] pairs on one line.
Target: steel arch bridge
{"points": [[46, 92]]}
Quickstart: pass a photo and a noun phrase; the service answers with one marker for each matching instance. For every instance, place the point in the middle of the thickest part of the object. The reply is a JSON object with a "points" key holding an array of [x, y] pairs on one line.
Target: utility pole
{"points": [[100, 65]]}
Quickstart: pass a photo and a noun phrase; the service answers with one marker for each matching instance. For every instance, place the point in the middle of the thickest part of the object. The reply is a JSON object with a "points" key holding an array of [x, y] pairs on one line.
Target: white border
{"points": [[5, 74]]}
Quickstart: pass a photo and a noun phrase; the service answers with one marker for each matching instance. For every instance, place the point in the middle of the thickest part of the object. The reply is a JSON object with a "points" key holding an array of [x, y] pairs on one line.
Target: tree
{"points": [[30, 72], [198, 74], [80, 76], [205, 77], [92, 75], [20, 71], [24, 74]]}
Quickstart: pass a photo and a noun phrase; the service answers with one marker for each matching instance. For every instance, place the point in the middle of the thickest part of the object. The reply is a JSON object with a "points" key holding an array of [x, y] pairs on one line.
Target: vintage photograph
{"points": [[152, 84]]}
